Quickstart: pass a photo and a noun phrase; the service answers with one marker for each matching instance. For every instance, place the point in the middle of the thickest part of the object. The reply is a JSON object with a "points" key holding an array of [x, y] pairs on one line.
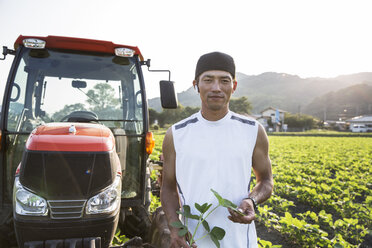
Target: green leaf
{"points": [[351, 221], [199, 208], [219, 198], [208, 207], [182, 232], [224, 202], [202, 208], [193, 216], [339, 223], [206, 225], [177, 224], [264, 243], [215, 241], [218, 233], [187, 213], [186, 209], [229, 204]]}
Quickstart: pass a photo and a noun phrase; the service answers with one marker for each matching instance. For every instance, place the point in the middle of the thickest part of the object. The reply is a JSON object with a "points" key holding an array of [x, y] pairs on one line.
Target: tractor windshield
{"points": [[50, 85], [68, 86]]}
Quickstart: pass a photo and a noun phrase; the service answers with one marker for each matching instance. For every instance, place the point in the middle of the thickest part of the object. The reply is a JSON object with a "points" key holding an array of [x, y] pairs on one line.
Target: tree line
{"points": [[301, 121], [238, 105], [170, 116]]}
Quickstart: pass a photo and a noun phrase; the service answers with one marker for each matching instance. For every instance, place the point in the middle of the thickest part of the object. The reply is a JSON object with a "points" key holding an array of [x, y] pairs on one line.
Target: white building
{"points": [[275, 115]]}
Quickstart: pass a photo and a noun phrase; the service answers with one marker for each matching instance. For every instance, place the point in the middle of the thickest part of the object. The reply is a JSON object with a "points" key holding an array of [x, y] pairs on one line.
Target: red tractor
{"points": [[75, 142]]}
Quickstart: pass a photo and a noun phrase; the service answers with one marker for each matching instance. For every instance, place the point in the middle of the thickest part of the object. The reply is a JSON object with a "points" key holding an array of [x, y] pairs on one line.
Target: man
{"points": [[216, 149]]}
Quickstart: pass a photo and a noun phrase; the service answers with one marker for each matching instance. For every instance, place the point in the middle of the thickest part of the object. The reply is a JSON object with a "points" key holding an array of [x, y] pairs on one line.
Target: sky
{"points": [[315, 38]]}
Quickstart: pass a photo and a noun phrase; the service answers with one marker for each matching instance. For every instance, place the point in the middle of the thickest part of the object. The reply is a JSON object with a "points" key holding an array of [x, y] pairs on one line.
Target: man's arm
{"points": [[262, 168], [169, 194], [264, 179]]}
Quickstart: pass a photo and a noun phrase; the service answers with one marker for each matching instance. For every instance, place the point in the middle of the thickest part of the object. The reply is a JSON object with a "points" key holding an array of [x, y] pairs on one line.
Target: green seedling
{"points": [[216, 233], [227, 204]]}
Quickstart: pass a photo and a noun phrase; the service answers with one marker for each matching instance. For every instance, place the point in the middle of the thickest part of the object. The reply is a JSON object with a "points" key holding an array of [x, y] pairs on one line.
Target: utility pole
{"points": [[325, 113]]}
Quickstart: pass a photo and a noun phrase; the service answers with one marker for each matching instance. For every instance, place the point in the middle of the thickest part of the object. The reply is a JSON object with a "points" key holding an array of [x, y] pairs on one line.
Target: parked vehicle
{"points": [[357, 128]]}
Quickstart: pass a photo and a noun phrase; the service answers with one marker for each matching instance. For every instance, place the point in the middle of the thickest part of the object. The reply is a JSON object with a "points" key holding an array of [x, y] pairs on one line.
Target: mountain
{"points": [[285, 91], [346, 103]]}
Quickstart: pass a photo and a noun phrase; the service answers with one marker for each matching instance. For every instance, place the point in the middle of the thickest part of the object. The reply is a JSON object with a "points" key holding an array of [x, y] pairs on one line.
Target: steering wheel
{"points": [[18, 93], [81, 116], [138, 101]]}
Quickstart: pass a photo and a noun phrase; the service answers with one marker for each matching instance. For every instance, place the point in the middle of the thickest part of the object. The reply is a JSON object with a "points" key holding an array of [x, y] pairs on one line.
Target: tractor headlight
{"points": [[107, 201], [27, 203]]}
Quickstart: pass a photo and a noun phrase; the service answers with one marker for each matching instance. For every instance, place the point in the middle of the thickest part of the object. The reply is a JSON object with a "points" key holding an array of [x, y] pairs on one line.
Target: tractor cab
{"points": [[65, 100]]}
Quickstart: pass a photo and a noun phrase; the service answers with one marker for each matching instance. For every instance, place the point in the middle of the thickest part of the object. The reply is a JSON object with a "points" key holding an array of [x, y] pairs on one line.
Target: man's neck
{"points": [[211, 115]]}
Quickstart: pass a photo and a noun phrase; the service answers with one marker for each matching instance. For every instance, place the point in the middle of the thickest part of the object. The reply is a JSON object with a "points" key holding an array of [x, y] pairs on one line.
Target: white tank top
{"points": [[216, 155]]}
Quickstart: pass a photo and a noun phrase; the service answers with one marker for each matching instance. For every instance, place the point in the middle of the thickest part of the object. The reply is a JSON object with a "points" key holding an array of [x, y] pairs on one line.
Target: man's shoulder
{"points": [[186, 122], [243, 119]]}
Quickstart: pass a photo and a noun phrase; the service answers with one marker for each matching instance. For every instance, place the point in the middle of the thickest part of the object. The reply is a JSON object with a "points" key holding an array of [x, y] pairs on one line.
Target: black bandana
{"points": [[215, 61]]}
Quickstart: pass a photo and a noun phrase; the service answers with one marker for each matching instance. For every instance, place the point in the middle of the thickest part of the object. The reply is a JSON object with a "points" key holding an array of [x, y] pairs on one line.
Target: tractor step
{"points": [[135, 242], [66, 243]]}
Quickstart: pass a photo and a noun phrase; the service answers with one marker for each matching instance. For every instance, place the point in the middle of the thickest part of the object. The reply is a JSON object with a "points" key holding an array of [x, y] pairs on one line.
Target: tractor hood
{"points": [[84, 137], [69, 161]]}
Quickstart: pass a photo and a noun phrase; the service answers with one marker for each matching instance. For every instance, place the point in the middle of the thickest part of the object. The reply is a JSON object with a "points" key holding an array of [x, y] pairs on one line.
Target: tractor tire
{"points": [[137, 223], [160, 233]]}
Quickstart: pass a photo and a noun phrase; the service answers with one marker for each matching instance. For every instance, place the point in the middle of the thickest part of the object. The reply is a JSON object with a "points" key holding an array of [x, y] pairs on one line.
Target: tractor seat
{"points": [[81, 116]]}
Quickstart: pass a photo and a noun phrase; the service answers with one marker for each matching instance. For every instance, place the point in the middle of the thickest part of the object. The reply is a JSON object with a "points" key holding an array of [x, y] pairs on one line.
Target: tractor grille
{"points": [[72, 209]]}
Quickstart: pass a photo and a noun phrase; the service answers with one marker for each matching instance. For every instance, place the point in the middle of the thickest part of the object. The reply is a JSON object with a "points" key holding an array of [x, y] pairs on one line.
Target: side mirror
{"points": [[168, 95]]}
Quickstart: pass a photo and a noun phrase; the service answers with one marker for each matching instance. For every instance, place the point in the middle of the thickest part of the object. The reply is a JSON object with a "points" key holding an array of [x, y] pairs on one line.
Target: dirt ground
{"points": [[272, 235]]}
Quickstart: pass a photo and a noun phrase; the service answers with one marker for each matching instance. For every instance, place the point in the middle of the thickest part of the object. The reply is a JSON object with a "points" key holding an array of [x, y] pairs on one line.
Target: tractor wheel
{"points": [[137, 223], [160, 233]]}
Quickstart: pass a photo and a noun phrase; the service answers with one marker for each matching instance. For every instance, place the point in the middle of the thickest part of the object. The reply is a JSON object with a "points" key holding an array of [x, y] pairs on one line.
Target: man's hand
{"points": [[179, 242], [246, 207]]}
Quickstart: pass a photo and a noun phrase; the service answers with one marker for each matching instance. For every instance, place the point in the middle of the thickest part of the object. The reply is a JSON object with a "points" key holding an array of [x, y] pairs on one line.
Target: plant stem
{"points": [[211, 212], [196, 228], [200, 221], [201, 237]]}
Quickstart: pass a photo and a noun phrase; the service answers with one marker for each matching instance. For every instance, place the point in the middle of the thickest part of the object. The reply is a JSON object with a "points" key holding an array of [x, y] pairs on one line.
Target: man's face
{"points": [[215, 88]]}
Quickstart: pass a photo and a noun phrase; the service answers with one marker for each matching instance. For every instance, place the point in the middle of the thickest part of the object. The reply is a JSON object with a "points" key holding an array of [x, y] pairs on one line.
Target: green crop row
{"points": [[158, 136], [322, 195]]}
